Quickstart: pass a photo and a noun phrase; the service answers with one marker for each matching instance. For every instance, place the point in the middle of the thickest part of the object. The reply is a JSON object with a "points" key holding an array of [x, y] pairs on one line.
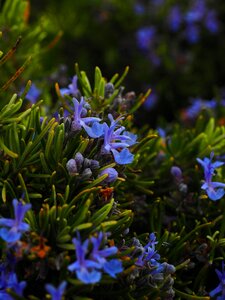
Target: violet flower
{"points": [[8, 280], [111, 267], [149, 255], [33, 94], [16, 226], [100, 255], [72, 88], [145, 37], [214, 190], [88, 269], [114, 140], [85, 268], [80, 121]]}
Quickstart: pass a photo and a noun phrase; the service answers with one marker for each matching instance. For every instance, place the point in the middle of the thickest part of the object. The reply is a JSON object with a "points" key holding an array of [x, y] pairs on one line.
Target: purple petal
{"points": [[217, 290], [89, 277], [10, 236], [124, 157], [215, 195], [113, 267], [7, 222]]}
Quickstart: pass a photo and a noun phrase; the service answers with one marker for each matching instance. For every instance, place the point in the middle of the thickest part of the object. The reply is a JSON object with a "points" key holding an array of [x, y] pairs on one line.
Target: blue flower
{"points": [[72, 88], [114, 139], [88, 270], [221, 287], [197, 12], [56, 293], [175, 18], [100, 255], [123, 157], [16, 226], [131, 138], [8, 280], [33, 94], [149, 255], [197, 105], [80, 120], [151, 100], [215, 190], [85, 268], [145, 37], [113, 267]]}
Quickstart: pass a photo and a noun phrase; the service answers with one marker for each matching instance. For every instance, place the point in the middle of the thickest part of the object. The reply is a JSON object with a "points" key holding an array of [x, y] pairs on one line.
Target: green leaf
{"points": [[102, 213]]}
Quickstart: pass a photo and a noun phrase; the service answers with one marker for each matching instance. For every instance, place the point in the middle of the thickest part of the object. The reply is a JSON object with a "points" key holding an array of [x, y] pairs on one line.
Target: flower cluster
{"points": [[214, 190], [148, 263], [184, 20], [90, 262], [116, 140], [197, 105], [82, 166], [196, 15]]}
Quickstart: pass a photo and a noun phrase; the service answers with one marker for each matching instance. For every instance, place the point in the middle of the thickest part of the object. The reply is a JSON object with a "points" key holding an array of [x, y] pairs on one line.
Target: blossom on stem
{"points": [[88, 269], [16, 226], [111, 267], [115, 138], [149, 254], [85, 268], [80, 121], [215, 190]]}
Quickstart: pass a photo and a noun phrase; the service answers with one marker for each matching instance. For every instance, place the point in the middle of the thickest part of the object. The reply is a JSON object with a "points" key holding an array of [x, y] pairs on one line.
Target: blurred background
{"points": [[176, 48]]}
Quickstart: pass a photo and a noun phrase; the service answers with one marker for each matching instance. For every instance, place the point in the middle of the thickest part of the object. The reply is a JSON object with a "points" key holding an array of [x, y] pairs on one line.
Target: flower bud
{"points": [[112, 174], [86, 174], [71, 166], [87, 163], [79, 160], [94, 164], [177, 173], [109, 89]]}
